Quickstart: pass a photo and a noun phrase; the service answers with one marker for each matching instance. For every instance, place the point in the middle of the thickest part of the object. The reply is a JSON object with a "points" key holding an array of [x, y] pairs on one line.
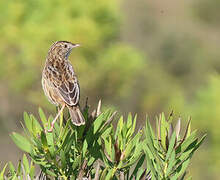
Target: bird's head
{"points": [[62, 48]]}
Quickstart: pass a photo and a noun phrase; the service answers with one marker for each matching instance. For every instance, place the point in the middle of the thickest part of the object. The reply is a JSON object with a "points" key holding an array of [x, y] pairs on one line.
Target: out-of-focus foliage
{"points": [[208, 11], [181, 40], [29, 28], [206, 110]]}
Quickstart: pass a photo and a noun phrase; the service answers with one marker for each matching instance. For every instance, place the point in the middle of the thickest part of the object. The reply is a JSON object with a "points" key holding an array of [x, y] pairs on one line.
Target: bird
{"points": [[60, 83]]}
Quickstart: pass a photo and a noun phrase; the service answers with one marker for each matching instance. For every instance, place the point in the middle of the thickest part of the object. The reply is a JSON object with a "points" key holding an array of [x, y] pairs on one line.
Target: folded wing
{"points": [[69, 91]]}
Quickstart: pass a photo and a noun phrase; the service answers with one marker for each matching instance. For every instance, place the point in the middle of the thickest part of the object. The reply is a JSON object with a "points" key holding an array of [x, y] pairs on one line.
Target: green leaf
{"points": [[12, 168], [128, 149], [107, 132], [149, 153], [99, 121], [129, 121], [181, 169], [32, 171], [119, 126], [28, 122], [91, 161], [19, 168], [124, 132], [135, 155], [44, 140], [138, 148], [113, 154], [134, 124], [158, 125], [133, 147], [108, 146], [42, 116], [50, 142], [182, 147], [26, 164], [69, 143], [163, 130], [36, 127], [21, 142], [85, 147], [187, 153], [171, 145], [76, 162], [14, 177], [151, 167], [103, 174], [2, 172], [139, 173], [131, 127], [149, 140], [138, 165], [200, 142], [64, 132], [110, 174], [66, 139], [63, 159], [171, 163], [188, 129], [51, 173]]}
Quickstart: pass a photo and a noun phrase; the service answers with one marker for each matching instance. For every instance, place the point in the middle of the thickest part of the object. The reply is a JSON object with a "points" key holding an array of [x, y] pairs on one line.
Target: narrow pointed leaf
{"points": [[11, 168], [50, 142], [171, 163], [26, 164], [63, 159], [129, 121], [32, 171], [85, 147], [3, 172], [184, 144], [163, 131], [138, 165], [181, 169], [171, 145], [188, 129], [21, 142], [27, 122], [42, 116], [200, 142]]}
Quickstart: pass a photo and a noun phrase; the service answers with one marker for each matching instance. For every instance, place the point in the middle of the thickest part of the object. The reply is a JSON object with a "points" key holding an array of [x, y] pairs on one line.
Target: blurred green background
{"points": [[137, 56]]}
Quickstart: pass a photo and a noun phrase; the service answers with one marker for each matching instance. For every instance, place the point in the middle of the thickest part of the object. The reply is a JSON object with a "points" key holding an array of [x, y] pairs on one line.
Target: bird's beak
{"points": [[70, 49], [75, 45]]}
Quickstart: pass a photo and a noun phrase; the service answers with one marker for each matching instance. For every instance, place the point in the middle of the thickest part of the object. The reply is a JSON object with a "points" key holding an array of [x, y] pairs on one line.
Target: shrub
{"points": [[98, 150]]}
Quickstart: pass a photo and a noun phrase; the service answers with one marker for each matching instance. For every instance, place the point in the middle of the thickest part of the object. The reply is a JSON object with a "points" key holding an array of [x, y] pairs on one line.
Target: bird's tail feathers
{"points": [[76, 115]]}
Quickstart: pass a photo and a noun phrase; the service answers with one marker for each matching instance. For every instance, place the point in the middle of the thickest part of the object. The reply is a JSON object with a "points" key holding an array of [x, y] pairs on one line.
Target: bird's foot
{"points": [[49, 130]]}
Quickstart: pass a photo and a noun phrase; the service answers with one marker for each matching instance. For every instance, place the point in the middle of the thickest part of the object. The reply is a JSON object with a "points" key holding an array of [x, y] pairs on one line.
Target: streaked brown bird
{"points": [[60, 83]]}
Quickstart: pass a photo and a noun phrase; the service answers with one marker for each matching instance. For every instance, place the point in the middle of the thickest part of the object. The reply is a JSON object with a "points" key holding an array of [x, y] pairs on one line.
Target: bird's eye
{"points": [[65, 46]]}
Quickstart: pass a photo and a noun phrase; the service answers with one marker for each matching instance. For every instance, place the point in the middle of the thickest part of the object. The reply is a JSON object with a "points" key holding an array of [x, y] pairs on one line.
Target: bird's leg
{"points": [[57, 109], [53, 122]]}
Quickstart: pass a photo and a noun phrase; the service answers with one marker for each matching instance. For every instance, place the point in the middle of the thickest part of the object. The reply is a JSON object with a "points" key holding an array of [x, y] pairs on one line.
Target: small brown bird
{"points": [[60, 83]]}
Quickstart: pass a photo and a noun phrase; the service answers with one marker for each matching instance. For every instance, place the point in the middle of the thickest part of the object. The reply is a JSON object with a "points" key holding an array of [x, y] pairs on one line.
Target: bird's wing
{"points": [[69, 91], [65, 83], [69, 88]]}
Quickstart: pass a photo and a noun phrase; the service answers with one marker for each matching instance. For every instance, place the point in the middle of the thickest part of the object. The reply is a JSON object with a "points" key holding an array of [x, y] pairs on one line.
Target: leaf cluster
{"points": [[98, 150], [167, 153]]}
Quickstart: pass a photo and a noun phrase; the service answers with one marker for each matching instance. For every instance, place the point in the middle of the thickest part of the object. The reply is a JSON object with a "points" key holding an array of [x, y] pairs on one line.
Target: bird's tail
{"points": [[76, 115]]}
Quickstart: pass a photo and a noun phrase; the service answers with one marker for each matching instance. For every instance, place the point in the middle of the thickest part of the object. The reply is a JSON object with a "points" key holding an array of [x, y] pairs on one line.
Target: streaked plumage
{"points": [[59, 80]]}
